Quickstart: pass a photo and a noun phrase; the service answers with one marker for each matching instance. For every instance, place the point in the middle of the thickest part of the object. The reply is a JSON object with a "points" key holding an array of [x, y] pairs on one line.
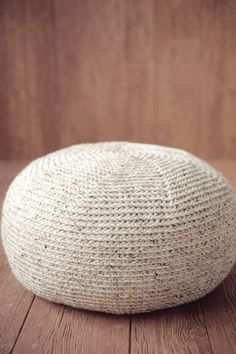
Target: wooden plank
{"points": [[42, 83], [126, 59], [217, 125], [53, 328], [179, 330], [219, 309], [92, 71], [29, 121], [156, 72], [14, 118], [15, 301]]}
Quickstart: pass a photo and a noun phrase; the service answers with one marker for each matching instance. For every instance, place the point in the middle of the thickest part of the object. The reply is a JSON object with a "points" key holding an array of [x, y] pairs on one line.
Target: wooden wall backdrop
{"points": [[156, 71]]}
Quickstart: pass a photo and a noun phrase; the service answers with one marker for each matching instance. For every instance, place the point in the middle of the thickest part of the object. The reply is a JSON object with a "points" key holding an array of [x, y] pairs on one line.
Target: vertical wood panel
{"points": [[14, 119], [93, 77], [156, 72], [42, 74], [218, 89]]}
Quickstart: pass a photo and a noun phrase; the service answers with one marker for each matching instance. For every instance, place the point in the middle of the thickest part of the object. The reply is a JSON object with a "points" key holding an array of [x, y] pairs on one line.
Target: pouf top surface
{"points": [[120, 227]]}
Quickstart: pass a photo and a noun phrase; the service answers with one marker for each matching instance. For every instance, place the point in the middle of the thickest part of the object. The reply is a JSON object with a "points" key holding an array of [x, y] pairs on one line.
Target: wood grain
{"points": [[58, 329], [14, 118], [157, 72], [41, 63], [15, 302], [179, 330], [219, 310]]}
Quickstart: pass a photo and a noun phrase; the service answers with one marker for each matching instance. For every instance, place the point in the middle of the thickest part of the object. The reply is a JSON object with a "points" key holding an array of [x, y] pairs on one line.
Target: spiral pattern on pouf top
{"points": [[120, 227]]}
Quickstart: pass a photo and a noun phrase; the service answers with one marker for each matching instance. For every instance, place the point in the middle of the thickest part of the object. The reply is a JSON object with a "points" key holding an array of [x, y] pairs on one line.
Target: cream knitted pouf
{"points": [[120, 227]]}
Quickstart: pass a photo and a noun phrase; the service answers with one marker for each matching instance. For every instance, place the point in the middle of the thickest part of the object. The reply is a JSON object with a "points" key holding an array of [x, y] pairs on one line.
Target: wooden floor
{"points": [[30, 325]]}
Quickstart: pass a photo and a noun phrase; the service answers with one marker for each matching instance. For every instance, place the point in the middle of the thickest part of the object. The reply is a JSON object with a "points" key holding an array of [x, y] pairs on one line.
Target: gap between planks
{"points": [[54, 328]]}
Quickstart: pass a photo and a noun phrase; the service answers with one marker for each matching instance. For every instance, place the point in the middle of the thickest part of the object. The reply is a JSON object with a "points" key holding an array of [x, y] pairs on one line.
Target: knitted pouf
{"points": [[120, 227]]}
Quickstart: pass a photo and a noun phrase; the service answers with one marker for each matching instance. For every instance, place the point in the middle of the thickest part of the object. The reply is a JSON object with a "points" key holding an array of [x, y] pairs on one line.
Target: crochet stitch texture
{"points": [[120, 227]]}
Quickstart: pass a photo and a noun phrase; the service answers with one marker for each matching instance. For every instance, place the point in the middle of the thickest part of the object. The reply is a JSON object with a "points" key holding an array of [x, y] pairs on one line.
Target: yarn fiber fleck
{"points": [[120, 227]]}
